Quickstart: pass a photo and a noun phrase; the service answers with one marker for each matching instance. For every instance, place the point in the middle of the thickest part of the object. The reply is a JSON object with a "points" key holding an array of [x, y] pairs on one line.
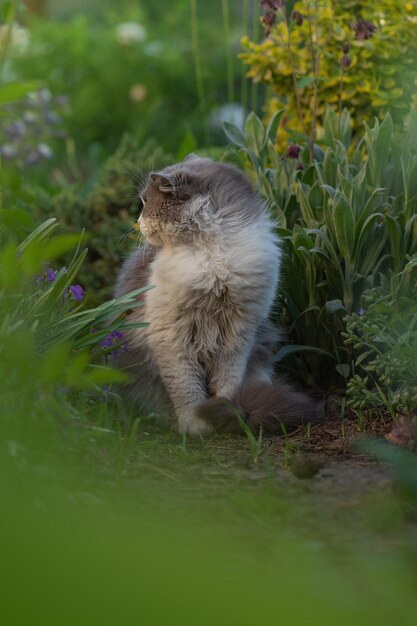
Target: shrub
{"points": [[50, 346], [354, 54], [383, 337], [346, 220]]}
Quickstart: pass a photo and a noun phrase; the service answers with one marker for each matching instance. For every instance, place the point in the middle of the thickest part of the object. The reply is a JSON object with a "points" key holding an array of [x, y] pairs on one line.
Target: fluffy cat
{"points": [[214, 259]]}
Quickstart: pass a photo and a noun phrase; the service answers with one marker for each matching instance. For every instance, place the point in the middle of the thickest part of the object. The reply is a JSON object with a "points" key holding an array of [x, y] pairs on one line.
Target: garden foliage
{"points": [[50, 345], [356, 54], [348, 222]]}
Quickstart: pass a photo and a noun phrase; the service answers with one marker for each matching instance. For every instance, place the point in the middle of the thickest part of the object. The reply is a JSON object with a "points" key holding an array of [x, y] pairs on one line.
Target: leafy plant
{"points": [[107, 208], [319, 54], [48, 342], [383, 337], [346, 221]]}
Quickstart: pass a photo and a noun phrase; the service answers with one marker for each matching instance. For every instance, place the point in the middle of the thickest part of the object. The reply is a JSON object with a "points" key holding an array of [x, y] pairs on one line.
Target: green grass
{"points": [[140, 527]]}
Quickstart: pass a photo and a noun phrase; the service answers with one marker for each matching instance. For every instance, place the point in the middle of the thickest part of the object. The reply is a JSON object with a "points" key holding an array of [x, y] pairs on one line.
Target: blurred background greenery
{"points": [[107, 519]]}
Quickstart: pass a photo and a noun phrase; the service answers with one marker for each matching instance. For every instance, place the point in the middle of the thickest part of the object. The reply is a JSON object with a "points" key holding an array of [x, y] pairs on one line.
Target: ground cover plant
{"points": [[108, 518]]}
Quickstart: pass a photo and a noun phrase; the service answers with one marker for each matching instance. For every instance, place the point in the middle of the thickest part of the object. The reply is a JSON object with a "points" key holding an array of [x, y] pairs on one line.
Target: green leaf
{"points": [[306, 209], [343, 369], [412, 179], [370, 207], [305, 81], [330, 124], [234, 134], [15, 91], [334, 306], [292, 349], [254, 133], [273, 155], [378, 141], [344, 225], [59, 246], [330, 190], [301, 239], [394, 236], [273, 125], [39, 234]]}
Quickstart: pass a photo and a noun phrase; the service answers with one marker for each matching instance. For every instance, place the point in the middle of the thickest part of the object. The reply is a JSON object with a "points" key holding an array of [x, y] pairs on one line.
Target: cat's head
{"points": [[194, 197], [174, 202]]}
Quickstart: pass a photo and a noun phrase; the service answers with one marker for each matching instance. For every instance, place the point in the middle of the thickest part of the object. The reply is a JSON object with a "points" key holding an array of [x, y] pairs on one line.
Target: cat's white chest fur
{"points": [[238, 276]]}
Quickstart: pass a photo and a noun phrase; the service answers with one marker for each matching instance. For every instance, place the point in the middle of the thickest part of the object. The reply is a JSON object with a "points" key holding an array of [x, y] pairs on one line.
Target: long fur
{"points": [[214, 260]]}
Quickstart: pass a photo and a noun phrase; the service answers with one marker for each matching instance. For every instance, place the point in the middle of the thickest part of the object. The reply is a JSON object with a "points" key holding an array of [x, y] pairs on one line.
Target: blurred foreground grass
{"points": [[149, 531]]}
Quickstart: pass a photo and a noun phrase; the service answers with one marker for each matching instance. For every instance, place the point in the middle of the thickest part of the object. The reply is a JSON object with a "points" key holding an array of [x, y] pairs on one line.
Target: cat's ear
{"points": [[162, 183], [190, 157]]}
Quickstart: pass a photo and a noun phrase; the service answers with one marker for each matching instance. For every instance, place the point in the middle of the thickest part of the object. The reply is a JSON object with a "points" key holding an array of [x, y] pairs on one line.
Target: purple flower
{"points": [[361, 312], [364, 29], [293, 151], [272, 4], [50, 275], [270, 8], [112, 340], [297, 17], [107, 342], [76, 291], [345, 61]]}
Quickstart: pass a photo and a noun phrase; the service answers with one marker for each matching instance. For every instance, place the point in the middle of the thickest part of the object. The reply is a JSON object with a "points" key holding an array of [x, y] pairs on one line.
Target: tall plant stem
{"points": [[254, 85], [229, 52], [339, 122], [197, 65], [315, 58], [244, 81], [293, 74]]}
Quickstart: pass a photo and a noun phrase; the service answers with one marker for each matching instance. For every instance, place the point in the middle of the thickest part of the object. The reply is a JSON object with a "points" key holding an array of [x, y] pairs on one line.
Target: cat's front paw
{"points": [[194, 426]]}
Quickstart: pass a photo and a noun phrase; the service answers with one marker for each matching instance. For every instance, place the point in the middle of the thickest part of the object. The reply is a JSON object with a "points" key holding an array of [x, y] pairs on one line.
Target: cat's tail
{"points": [[276, 408]]}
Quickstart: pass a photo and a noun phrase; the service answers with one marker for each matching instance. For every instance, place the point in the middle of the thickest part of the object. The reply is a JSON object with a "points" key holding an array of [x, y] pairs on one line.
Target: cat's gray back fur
{"points": [[214, 260]]}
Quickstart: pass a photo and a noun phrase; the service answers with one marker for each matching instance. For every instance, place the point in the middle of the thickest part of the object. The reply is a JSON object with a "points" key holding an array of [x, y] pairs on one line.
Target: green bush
{"points": [[322, 45], [50, 345], [383, 337], [346, 220]]}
